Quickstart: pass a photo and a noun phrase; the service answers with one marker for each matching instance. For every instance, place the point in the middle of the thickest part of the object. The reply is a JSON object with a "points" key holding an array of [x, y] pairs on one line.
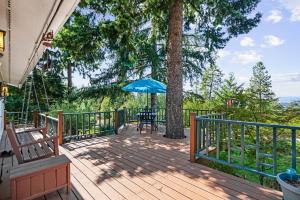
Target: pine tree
{"points": [[261, 96], [230, 90], [211, 82]]}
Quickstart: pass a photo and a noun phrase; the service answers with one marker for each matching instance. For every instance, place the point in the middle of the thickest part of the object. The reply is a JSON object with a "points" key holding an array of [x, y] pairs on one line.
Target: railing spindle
{"points": [[294, 156], [218, 140], [242, 144], [274, 151], [257, 148], [229, 142]]}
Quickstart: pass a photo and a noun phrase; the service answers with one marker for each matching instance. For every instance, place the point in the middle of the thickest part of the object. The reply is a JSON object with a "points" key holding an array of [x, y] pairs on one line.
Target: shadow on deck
{"points": [[148, 166]]}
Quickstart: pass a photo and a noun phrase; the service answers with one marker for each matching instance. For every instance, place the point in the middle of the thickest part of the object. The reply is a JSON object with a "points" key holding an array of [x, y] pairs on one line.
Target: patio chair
{"points": [[146, 118]]}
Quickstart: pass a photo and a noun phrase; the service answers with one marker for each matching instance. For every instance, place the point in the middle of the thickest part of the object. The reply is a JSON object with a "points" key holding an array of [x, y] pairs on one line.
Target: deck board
{"points": [[147, 166]]}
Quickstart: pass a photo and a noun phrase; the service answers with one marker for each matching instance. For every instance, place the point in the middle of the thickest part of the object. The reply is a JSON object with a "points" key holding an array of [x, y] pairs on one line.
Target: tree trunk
{"points": [[154, 64], [69, 74], [174, 101], [153, 102]]}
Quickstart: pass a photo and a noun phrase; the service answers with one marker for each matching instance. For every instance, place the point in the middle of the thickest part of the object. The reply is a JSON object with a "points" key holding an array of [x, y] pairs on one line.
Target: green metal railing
{"points": [[131, 114], [265, 149], [16, 117], [91, 124]]}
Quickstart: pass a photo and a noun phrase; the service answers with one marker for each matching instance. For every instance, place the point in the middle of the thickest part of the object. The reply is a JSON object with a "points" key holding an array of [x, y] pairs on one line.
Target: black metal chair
{"points": [[146, 118]]}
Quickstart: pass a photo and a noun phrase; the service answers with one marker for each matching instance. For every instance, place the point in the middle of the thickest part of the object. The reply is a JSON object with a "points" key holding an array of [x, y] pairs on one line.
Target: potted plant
{"points": [[290, 184]]}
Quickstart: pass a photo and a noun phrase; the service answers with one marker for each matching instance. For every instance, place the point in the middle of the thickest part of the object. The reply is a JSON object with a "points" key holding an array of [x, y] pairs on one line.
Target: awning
{"points": [[25, 22]]}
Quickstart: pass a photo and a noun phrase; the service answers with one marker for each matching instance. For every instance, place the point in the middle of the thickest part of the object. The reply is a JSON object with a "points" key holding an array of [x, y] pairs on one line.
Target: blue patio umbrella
{"points": [[148, 85]]}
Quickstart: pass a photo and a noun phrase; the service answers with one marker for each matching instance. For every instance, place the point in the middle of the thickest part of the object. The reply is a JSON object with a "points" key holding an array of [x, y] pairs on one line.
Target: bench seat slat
{"points": [[46, 148], [39, 151], [33, 155]]}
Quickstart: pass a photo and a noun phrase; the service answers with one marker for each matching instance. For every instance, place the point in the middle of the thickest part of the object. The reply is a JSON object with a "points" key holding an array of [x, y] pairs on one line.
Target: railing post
{"points": [[4, 119], [35, 119], [60, 127], [116, 121], [46, 122], [125, 116], [193, 137]]}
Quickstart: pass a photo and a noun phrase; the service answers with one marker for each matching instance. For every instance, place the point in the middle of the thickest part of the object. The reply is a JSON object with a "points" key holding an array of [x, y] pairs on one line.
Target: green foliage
{"points": [[140, 101]]}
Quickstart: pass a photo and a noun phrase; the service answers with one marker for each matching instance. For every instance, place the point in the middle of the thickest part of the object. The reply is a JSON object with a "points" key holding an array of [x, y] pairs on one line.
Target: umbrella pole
{"points": [[147, 100]]}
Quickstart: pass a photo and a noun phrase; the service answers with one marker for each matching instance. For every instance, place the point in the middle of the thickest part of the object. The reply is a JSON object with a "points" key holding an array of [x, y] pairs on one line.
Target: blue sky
{"points": [[275, 42]]}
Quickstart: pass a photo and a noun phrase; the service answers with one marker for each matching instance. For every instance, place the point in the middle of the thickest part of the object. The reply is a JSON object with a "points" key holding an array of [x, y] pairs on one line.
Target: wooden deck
{"points": [[133, 166]]}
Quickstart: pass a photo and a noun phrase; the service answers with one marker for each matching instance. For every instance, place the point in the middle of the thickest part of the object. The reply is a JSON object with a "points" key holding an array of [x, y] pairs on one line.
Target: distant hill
{"points": [[286, 100]]}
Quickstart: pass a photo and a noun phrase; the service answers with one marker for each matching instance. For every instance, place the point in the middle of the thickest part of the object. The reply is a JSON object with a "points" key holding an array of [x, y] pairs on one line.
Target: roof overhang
{"points": [[25, 22]]}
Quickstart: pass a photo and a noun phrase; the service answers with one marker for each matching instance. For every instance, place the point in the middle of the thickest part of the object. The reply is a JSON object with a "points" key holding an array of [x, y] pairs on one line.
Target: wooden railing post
{"points": [[60, 127], [46, 122], [35, 119], [116, 121], [4, 119], [193, 136], [125, 116]]}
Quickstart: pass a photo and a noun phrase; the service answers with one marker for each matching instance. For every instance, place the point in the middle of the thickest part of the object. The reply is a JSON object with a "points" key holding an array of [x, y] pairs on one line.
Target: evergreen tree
{"points": [[260, 95], [211, 82], [230, 91]]}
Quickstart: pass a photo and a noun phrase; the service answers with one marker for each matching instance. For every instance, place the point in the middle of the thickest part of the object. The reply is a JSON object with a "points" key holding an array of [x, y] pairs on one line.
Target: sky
{"points": [[275, 42]]}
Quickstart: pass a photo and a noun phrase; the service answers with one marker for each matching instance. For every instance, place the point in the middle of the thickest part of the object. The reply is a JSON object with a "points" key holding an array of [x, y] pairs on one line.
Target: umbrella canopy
{"points": [[146, 86]]}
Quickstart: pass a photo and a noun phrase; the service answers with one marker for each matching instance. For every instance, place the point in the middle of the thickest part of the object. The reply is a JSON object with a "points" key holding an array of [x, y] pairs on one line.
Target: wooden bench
{"points": [[37, 178], [27, 148]]}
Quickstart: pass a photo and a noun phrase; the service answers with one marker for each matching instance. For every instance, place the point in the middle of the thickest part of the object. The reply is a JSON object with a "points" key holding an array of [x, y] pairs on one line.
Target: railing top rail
{"points": [[198, 118], [212, 114], [49, 117], [52, 118], [9, 112], [75, 113]]}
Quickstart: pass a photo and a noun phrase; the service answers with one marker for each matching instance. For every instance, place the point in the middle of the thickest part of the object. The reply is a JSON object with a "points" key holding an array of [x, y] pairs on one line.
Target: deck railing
{"points": [[265, 149], [131, 114], [14, 117], [90, 124], [43, 120]]}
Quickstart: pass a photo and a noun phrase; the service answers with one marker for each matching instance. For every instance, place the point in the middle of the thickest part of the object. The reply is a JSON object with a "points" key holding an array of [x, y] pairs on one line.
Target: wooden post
{"points": [[60, 127], [35, 119], [193, 136], [4, 119], [116, 121], [125, 115], [46, 123]]}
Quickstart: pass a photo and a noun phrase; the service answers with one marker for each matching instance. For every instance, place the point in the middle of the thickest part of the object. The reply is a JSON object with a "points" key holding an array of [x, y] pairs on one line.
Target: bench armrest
{"points": [[39, 165], [31, 130]]}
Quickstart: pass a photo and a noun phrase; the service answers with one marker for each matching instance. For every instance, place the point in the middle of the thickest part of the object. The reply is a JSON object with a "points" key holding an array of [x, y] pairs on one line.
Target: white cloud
{"points": [[246, 57], [247, 42], [223, 53], [294, 7], [275, 16], [272, 40]]}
